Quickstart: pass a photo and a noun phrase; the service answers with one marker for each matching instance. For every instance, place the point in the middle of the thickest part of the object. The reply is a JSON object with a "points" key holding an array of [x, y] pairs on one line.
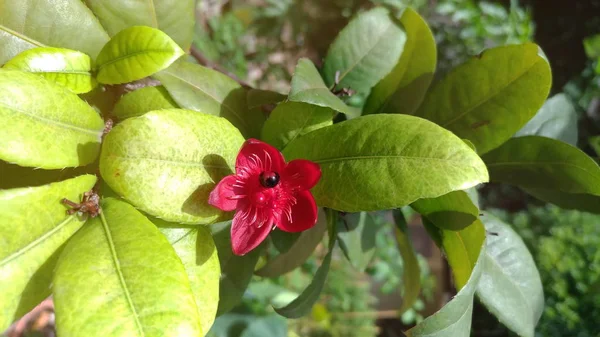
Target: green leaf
{"points": [[460, 247], [404, 88], [138, 102], [539, 162], [27, 24], [595, 144], [196, 249], [174, 17], [134, 53], [120, 265], [303, 304], [270, 326], [356, 235], [365, 51], [69, 68], [291, 120], [298, 253], [557, 119], [411, 274], [510, 285], [368, 164], [283, 241], [260, 104], [591, 45], [491, 96], [452, 211], [166, 162], [236, 271], [44, 125], [308, 87], [202, 89], [583, 202], [454, 319], [33, 227], [257, 98]]}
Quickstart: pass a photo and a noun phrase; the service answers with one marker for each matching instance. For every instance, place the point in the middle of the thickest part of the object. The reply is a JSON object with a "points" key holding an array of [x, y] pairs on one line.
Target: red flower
{"points": [[266, 192]]}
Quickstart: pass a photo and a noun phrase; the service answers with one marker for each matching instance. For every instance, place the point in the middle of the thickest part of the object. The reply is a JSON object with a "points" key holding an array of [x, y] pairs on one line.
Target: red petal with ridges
{"points": [[256, 157], [303, 214], [301, 173], [223, 196], [245, 235]]}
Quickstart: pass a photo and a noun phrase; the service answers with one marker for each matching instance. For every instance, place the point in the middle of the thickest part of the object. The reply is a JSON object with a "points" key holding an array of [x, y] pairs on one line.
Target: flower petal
{"points": [[247, 235], [256, 157], [303, 214], [224, 196], [302, 173]]}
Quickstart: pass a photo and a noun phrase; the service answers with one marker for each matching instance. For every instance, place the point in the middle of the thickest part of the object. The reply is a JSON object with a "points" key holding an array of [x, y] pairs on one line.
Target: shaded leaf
{"points": [[69, 68], [356, 235], [174, 17], [134, 53], [166, 162], [298, 253], [491, 96], [404, 88], [556, 119], [257, 98], [138, 102], [270, 326], [308, 87], [291, 120], [202, 89], [55, 130], [454, 318], [196, 249], [236, 271], [26, 24], [260, 104], [452, 211], [283, 241], [510, 286], [136, 291], [368, 165], [15, 176], [540, 162], [411, 273], [33, 227], [364, 51], [583, 202]]}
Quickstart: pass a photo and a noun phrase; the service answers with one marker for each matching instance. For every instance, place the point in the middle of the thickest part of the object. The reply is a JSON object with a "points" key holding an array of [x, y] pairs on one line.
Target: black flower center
{"points": [[269, 179]]}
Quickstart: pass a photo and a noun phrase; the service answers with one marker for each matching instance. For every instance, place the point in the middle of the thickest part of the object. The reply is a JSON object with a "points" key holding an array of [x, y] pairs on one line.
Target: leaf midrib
{"points": [[172, 51], [117, 264], [37, 241], [22, 36], [53, 122], [398, 157], [491, 96]]}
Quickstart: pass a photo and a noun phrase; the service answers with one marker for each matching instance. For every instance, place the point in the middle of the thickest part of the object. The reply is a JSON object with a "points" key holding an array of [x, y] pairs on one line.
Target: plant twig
{"points": [[209, 64]]}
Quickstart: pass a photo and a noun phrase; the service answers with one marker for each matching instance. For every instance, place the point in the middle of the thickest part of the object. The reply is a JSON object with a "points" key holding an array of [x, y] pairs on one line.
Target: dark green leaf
{"points": [[452, 211], [291, 120], [134, 53], [491, 96], [260, 98], [33, 227], [283, 241], [270, 326], [308, 87], [403, 89], [411, 274], [383, 161], [44, 125], [583, 202], [298, 253], [69, 68], [174, 17], [25, 24], [454, 318], [365, 51], [121, 265], [202, 89], [14, 176], [196, 249], [539, 162], [166, 162], [510, 285], [140, 101], [557, 119], [236, 271], [260, 104], [356, 235]]}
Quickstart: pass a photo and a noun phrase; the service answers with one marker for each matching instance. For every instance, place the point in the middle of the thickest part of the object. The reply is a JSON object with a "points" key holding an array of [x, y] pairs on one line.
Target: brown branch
{"points": [[209, 64]]}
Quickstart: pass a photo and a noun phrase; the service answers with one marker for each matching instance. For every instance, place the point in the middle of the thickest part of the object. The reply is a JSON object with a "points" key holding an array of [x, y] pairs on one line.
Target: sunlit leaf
{"points": [[138, 102]]}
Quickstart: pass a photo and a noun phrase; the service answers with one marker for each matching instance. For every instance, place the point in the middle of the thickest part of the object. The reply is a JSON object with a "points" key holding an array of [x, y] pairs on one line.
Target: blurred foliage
{"points": [[566, 248]]}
